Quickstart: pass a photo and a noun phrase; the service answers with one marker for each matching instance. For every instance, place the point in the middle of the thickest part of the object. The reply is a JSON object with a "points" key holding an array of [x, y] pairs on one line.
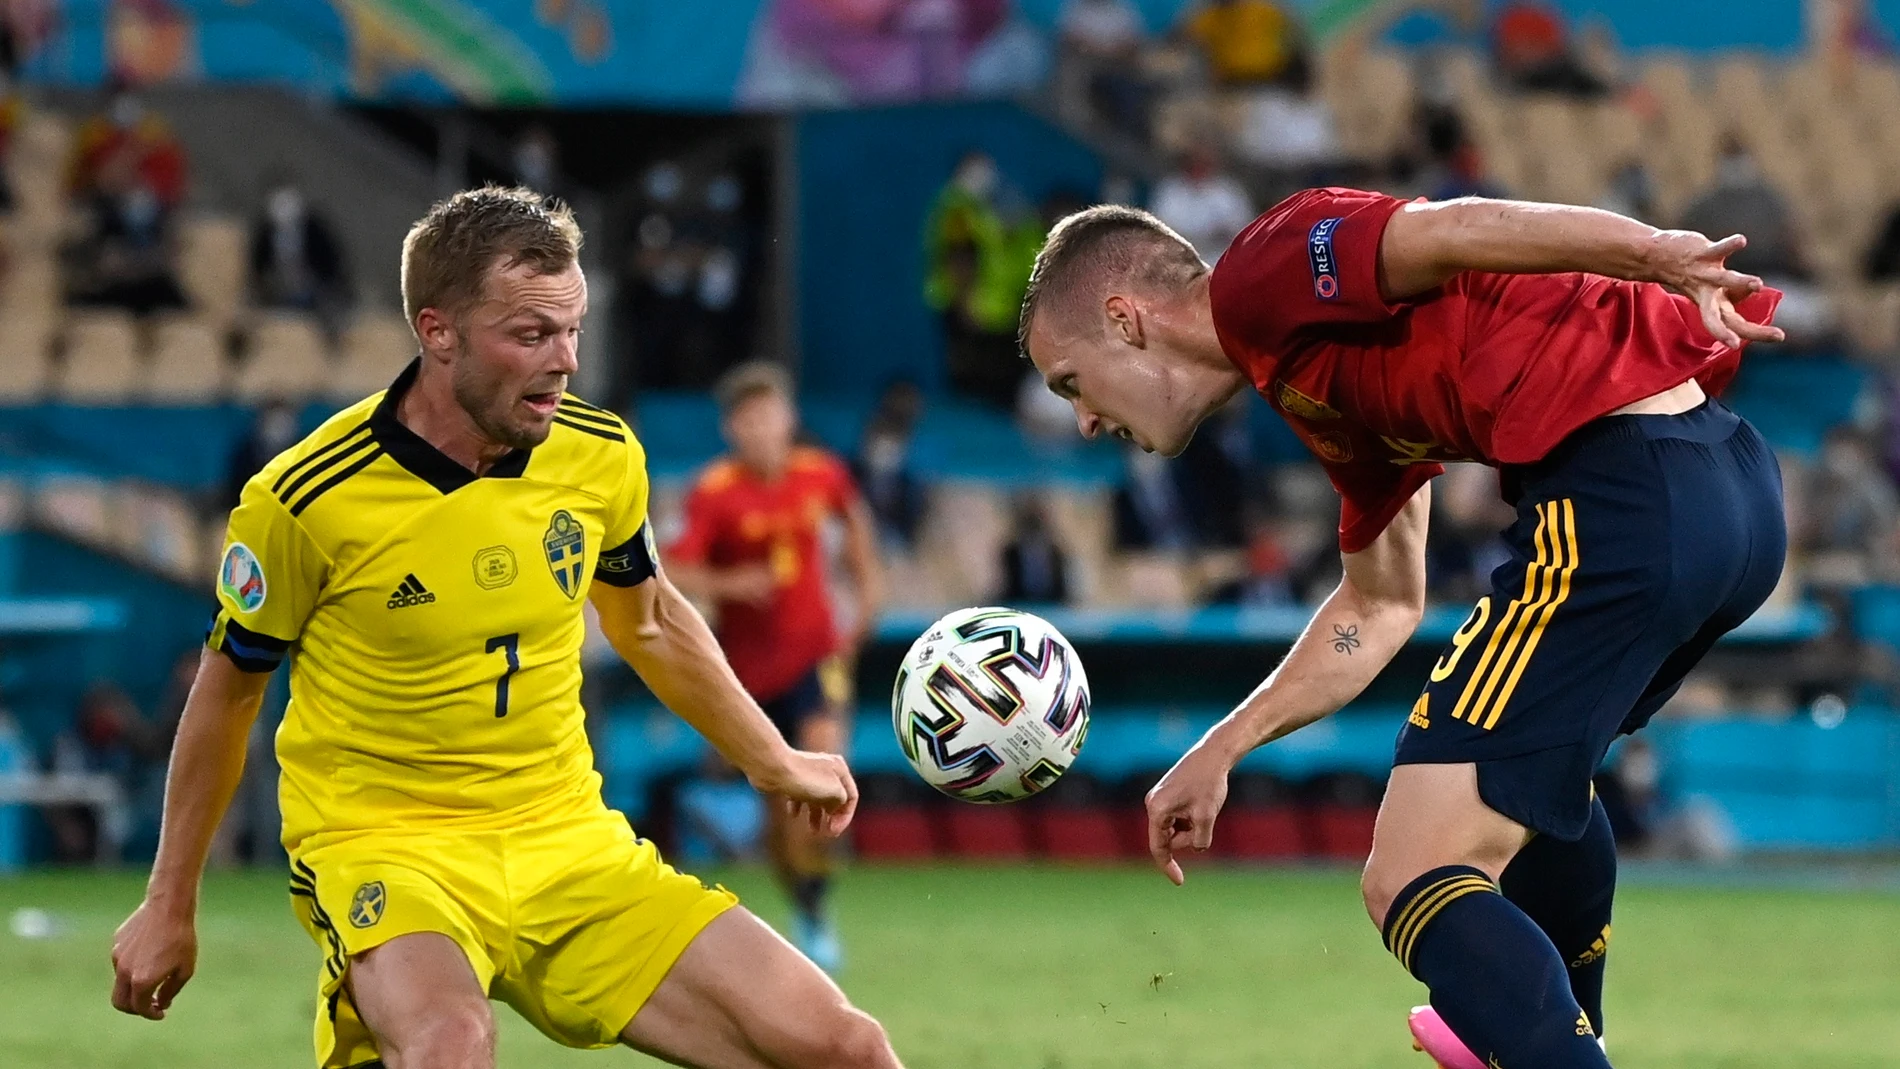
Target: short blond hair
{"points": [[447, 254], [1099, 247], [748, 380]]}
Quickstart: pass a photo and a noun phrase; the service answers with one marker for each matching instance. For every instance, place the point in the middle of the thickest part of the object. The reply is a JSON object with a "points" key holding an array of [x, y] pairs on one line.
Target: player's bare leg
{"points": [[420, 999], [1431, 885], [802, 857], [741, 997]]}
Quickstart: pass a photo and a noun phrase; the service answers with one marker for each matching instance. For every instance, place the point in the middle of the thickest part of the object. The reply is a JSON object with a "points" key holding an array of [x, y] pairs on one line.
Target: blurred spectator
{"points": [[1101, 44], [12, 113], [883, 466], [274, 430], [1630, 192], [980, 248], [1268, 580], [110, 738], [1034, 568], [128, 257], [1463, 543], [1883, 257], [536, 161], [1247, 42], [296, 259], [1149, 511], [687, 265], [1742, 202], [1852, 507], [1532, 49], [1212, 474], [123, 147], [1205, 204], [1627, 786], [1442, 162], [1288, 131]]}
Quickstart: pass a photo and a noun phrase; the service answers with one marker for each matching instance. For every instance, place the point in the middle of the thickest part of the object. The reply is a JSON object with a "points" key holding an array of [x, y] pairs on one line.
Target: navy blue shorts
{"points": [[1639, 541], [806, 698]]}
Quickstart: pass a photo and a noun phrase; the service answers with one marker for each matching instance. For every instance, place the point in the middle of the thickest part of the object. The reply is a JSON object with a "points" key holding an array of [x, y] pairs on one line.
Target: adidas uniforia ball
{"points": [[991, 705]]}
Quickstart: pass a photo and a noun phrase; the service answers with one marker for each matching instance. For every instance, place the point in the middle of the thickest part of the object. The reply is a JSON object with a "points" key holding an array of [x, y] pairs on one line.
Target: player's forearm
{"points": [[681, 662], [207, 762], [1426, 244], [1346, 644]]}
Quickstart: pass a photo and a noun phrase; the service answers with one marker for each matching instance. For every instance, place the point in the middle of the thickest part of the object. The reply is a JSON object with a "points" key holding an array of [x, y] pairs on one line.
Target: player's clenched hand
{"points": [[1182, 808], [816, 784], [1697, 268], [153, 954]]}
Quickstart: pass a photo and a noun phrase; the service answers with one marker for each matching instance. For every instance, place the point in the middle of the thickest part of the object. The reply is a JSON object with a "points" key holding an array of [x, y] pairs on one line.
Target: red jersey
{"points": [[1487, 367], [734, 518]]}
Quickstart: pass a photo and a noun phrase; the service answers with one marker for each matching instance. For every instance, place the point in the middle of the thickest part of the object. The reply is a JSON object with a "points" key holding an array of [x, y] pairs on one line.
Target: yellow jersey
{"points": [[434, 617]]}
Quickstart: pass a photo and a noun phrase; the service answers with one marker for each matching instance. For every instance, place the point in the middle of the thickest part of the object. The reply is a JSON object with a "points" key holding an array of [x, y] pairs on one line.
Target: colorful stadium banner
{"points": [[714, 54]]}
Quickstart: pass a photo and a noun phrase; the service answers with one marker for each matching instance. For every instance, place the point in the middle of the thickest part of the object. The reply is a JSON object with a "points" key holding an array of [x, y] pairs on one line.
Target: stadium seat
{"points": [[187, 364], [213, 259], [1077, 833], [894, 833], [988, 832], [31, 285], [25, 363], [375, 349], [286, 358], [102, 365]]}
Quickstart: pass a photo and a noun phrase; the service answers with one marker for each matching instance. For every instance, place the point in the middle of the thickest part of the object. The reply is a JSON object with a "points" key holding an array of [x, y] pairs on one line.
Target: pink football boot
{"points": [[1432, 1035]]}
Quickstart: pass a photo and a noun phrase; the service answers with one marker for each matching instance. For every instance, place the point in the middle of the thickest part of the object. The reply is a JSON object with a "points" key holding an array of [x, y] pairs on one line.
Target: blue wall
{"points": [[866, 182]]}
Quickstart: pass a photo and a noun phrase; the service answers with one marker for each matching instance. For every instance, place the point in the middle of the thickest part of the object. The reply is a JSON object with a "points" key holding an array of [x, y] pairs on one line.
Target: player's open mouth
{"points": [[544, 403]]}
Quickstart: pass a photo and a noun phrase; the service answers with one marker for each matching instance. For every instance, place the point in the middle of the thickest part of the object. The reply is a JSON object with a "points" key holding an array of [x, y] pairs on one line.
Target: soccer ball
{"points": [[991, 705]]}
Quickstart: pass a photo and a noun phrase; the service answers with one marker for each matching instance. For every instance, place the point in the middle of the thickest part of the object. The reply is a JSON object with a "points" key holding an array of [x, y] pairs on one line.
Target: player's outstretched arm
{"points": [[667, 642], [1355, 633], [156, 949], [1425, 245]]}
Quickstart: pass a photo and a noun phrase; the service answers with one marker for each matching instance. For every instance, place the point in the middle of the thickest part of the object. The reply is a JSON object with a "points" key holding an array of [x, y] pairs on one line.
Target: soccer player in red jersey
{"points": [[1575, 351], [753, 546]]}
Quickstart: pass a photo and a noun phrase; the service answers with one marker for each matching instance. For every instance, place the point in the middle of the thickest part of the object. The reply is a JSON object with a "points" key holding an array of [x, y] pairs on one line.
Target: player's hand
{"points": [[817, 785], [751, 584], [1182, 808], [1697, 268], [153, 955]]}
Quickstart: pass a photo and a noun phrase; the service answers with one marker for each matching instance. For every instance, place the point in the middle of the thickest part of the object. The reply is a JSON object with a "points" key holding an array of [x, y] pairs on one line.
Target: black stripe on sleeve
{"points": [[294, 469], [598, 432], [628, 564], [327, 485], [249, 650]]}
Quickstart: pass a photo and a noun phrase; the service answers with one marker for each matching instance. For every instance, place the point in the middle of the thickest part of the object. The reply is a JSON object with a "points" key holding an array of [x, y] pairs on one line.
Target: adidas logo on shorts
{"points": [[411, 592]]}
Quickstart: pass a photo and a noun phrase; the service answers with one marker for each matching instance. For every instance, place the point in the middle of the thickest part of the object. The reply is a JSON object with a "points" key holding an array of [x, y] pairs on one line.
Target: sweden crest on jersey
{"points": [[566, 547]]}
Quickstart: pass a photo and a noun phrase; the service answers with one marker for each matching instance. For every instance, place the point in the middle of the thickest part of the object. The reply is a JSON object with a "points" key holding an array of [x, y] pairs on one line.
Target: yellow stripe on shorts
{"points": [[1547, 581]]}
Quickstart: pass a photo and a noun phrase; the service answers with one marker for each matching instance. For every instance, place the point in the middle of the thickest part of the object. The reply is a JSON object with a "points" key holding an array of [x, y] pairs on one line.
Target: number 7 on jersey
{"points": [[510, 644]]}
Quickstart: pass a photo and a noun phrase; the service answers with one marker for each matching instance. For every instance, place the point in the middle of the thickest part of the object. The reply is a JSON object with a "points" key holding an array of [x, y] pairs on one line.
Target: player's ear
{"points": [[1124, 320], [436, 330]]}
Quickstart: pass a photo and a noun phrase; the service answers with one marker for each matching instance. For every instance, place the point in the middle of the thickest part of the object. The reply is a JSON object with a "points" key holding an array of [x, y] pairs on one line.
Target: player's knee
{"points": [[456, 1037], [845, 1039], [1377, 888]]}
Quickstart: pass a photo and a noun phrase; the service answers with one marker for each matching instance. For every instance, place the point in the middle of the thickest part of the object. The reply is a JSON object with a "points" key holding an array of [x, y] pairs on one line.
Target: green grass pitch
{"points": [[1052, 968]]}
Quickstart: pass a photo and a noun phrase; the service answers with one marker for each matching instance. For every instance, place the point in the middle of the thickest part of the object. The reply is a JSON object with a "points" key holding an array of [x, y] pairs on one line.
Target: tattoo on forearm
{"points": [[1345, 638]]}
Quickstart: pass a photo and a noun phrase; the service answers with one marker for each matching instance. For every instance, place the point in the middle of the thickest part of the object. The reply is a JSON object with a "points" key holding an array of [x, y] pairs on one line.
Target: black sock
{"points": [[1567, 888], [808, 893], [1494, 976]]}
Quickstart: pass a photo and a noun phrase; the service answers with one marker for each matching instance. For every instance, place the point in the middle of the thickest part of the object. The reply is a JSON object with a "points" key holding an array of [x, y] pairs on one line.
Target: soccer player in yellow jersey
{"points": [[425, 556]]}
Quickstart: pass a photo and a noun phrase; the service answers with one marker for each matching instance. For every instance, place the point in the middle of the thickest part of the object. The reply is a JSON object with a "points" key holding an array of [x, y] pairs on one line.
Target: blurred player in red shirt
{"points": [[1575, 351], [754, 548]]}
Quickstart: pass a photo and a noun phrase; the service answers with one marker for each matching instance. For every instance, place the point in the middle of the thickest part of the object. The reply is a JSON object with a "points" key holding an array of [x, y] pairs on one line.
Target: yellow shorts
{"points": [[572, 921]]}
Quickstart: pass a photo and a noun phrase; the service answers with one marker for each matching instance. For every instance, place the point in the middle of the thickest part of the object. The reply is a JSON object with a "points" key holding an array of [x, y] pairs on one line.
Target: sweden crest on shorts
{"points": [[366, 906], [566, 546]]}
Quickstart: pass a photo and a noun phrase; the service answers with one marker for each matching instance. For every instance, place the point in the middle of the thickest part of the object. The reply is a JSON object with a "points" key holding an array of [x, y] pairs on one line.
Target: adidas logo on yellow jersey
{"points": [[410, 593]]}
